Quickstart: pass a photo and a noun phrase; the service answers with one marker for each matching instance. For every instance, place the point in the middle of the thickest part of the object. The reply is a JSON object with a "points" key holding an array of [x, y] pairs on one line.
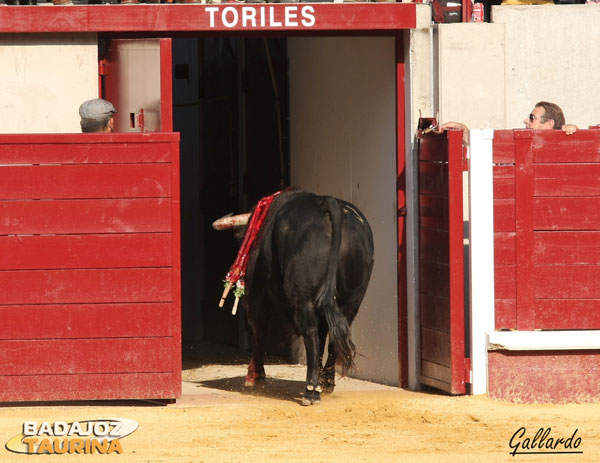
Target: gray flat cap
{"points": [[96, 109]]}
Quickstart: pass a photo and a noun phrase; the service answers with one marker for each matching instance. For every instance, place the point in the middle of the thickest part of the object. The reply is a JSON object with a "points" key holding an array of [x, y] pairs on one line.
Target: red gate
{"points": [[89, 267], [547, 229], [444, 364]]}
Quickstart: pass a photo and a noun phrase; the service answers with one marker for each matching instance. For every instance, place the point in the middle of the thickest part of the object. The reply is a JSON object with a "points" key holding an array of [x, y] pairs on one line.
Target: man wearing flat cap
{"points": [[97, 116]]}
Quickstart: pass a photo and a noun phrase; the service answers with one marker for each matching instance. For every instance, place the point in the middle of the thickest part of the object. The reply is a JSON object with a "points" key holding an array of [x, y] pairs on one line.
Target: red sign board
{"points": [[170, 18]]}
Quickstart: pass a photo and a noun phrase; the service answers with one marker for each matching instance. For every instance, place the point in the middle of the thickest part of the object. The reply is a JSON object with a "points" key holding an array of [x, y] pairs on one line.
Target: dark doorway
{"points": [[230, 104]]}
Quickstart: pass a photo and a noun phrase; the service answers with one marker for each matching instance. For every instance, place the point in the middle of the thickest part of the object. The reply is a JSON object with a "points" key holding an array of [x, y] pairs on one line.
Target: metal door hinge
{"points": [[465, 160], [468, 376], [102, 67]]}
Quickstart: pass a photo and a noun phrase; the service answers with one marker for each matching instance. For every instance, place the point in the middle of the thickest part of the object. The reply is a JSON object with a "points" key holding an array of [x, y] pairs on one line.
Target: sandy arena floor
{"points": [[217, 420]]}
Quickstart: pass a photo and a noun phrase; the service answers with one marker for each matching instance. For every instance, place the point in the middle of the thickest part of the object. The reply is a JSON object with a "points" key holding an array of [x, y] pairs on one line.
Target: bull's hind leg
{"points": [[256, 368], [312, 393], [327, 372]]}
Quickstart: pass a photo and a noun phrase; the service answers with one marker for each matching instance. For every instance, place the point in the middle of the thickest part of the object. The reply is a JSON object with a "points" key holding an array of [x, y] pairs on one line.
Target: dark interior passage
{"points": [[230, 102]]}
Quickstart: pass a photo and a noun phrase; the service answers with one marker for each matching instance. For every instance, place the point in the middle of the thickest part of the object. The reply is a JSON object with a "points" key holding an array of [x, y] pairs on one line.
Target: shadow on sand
{"points": [[196, 357], [272, 388]]}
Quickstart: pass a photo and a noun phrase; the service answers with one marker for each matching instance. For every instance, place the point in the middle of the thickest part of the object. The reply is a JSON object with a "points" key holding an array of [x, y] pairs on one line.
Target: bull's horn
{"points": [[230, 221]]}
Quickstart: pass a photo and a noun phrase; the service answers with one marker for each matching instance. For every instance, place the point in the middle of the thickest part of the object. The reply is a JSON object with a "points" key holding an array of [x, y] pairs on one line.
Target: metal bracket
{"points": [[468, 374]]}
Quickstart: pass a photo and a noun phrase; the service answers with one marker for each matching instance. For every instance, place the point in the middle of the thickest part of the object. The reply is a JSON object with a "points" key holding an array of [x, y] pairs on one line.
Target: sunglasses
{"points": [[533, 117]]}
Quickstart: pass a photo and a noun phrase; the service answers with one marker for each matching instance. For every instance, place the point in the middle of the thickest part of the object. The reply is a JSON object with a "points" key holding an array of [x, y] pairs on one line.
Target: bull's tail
{"points": [[339, 330]]}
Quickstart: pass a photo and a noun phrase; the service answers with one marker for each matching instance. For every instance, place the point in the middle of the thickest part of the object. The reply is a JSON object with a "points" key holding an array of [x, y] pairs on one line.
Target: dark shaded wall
{"points": [[233, 120]]}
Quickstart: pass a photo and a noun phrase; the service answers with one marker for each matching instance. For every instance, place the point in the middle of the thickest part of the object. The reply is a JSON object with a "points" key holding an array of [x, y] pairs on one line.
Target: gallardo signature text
{"points": [[542, 443]]}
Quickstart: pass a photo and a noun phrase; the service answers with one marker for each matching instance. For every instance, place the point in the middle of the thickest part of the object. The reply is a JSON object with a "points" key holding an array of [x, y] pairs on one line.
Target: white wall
{"points": [[421, 97], [490, 75], [552, 54], [421, 63], [470, 74], [343, 143], [44, 79]]}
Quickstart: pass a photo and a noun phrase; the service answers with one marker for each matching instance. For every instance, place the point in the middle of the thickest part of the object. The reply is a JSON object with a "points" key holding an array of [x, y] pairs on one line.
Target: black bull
{"points": [[312, 260]]}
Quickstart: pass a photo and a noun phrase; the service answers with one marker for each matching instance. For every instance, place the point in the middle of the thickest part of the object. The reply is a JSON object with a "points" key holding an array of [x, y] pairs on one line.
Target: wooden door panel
{"points": [[441, 262]]}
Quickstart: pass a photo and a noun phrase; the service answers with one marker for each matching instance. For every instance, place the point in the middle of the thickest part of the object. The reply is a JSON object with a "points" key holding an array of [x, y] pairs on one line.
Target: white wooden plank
{"points": [[543, 340], [481, 222]]}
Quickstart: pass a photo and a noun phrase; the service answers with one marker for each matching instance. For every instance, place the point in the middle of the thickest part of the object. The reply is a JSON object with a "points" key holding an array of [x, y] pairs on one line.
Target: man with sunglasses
{"points": [[548, 116], [545, 116]]}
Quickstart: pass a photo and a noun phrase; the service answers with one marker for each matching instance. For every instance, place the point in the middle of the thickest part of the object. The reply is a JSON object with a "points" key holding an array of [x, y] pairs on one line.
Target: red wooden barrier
{"points": [[89, 267], [441, 264], [547, 229]]}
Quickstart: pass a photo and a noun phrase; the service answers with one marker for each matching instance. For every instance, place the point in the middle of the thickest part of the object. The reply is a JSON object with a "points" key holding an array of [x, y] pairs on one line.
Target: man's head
{"points": [[97, 115], [545, 116]]}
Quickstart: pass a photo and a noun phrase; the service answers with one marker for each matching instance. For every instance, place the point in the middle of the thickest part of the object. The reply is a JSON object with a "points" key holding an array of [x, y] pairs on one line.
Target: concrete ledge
{"points": [[543, 340]]}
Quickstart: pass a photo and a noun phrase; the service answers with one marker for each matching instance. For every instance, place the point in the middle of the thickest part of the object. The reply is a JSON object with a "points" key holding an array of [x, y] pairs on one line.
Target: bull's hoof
{"points": [[306, 401], [311, 396], [310, 400], [327, 379], [251, 380], [328, 389]]}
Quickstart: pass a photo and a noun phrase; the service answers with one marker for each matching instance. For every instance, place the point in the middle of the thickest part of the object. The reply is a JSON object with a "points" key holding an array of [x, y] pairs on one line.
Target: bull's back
{"points": [[303, 236]]}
